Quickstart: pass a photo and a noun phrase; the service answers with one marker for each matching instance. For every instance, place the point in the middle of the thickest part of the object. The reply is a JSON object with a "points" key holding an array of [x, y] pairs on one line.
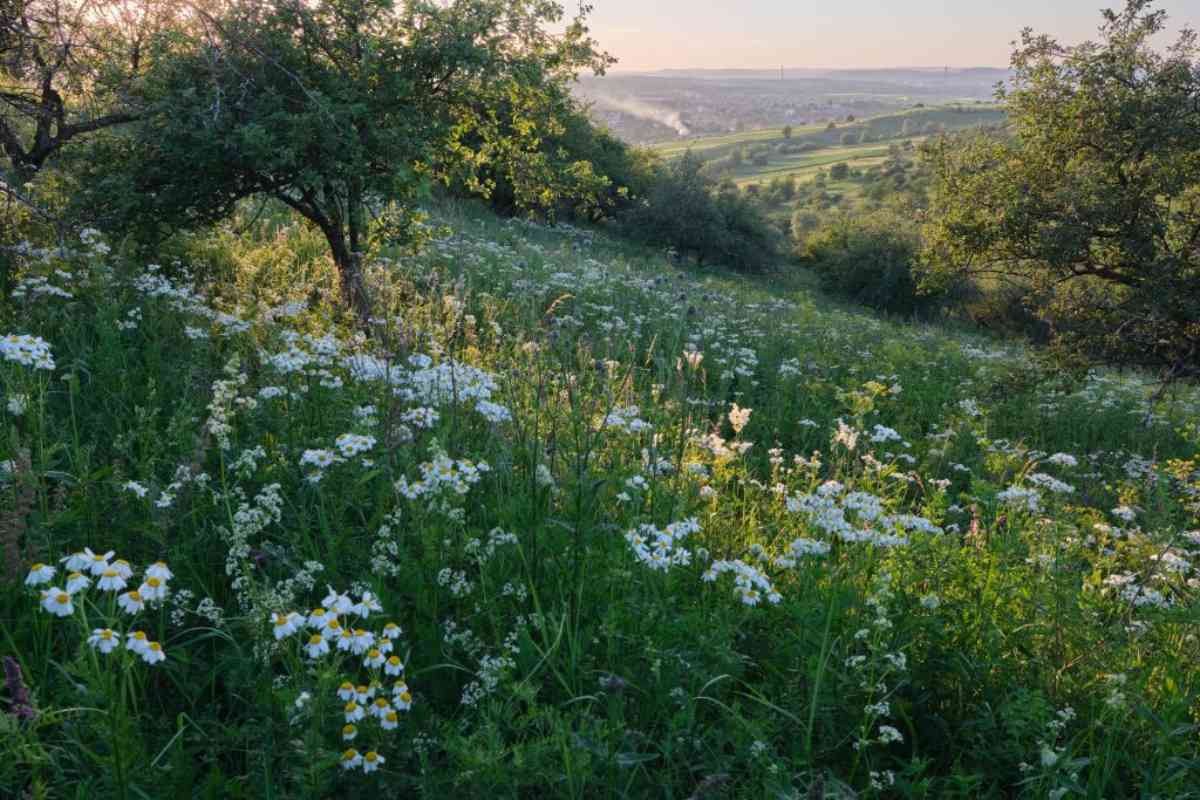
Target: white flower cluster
{"points": [[627, 419], [750, 583], [111, 575], [27, 350], [856, 516], [661, 549], [440, 474], [369, 709]]}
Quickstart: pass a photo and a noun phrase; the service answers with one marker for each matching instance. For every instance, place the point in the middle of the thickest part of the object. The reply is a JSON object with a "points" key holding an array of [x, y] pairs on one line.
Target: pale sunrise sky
{"points": [[657, 34]]}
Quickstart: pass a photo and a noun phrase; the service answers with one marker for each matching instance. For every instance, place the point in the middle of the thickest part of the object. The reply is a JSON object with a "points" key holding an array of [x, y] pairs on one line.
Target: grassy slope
{"points": [[554, 662]]}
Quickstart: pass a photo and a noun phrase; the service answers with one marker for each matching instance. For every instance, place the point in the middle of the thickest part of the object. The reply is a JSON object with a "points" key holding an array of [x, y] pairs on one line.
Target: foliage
{"points": [[340, 109], [1093, 204]]}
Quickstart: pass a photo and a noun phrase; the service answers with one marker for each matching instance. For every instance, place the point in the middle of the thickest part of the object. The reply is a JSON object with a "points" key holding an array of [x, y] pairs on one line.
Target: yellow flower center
{"points": [[141, 637], [62, 598], [37, 568], [135, 596], [153, 583], [374, 654], [405, 696], [110, 573], [347, 685], [106, 635], [351, 707], [350, 755], [348, 730], [315, 639], [371, 756], [362, 690], [392, 717], [155, 646], [381, 703]]}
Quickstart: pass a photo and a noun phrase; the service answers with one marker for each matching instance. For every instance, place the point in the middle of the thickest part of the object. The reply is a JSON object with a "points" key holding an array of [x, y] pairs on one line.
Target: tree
{"points": [[787, 131], [69, 68], [1093, 205], [839, 171], [341, 109]]}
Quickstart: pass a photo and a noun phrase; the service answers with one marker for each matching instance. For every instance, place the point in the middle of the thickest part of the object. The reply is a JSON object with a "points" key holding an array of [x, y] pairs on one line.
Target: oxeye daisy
{"points": [[57, 602], [391, 631], [286, 624], [110, 581], [39, 574], [401, 696], [362, 694], [131, 602], [159, 570], [345, 640], [374, 659], [354, 712], [345, 692], [351, 759], [362, 641], [77, 582], [136, 642], [316, 646], [97, 563], [390, 721], [348, 733], [153, 653], [104, 639], [153, 589], [380, 707], [122, 568], [317, 618], [76, 562], [372, 761], [394, 666]]}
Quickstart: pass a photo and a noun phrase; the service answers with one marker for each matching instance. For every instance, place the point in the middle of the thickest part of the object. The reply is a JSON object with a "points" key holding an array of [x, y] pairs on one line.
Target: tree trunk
{"points": [[350, 276]]}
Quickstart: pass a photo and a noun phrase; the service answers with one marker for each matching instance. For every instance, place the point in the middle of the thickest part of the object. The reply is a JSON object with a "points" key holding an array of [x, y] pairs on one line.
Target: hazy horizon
{"points": [[860, 34]]}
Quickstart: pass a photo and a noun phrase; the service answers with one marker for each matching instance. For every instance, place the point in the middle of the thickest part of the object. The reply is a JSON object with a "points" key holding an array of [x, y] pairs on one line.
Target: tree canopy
{"points": [[1091, 201]]}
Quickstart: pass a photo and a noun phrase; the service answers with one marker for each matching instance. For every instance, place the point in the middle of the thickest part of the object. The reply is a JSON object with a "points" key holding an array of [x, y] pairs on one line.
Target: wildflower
{"points": [[77, 561], [365, 606], [153, 653], [371, 761], [136, 642], [110, 581], [354, 712], [363, 693], [390, 721], [317, 646], [39, 574], [286, 624], [351, 759], [122, 568], [17, 404], [374, 659], [401, 696], [135, 487], [77, 582], [131, 602], [153, 589], [391, 631], [738, 417], [96, 563], [345, 692], [57, 602], [362, 641], [345, 640], [318, 618], [394, 666], [159, 570], [380, 707], [104, 639], [338, 603]]}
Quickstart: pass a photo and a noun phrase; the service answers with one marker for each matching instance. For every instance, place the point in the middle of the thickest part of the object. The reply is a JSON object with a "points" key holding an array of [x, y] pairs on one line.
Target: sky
{"points": [[759, 34]]}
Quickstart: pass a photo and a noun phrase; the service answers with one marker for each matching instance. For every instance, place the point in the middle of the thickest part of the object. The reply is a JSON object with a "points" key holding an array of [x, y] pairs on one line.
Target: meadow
{"points": [[570, 521]]}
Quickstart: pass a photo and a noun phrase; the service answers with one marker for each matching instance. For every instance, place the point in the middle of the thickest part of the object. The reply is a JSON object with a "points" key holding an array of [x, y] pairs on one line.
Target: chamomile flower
{"points": [[363, 693], [122, 568], [401, 696], [137, 642], [76, 562], [339, 603], [97, 563], [351, 759], [316, 646], [372, 761], [153, 653], [367, 605], [385, 646], [363, 640], [374, 659], [353, 711], [131, 602], [318, 618], [57, 602], [159, 570], [110, 581], [77, 582], [153, 589], [348, 733], [391, 631], [285, 625], [345, 640], [394, 666], [390, 721], [39, 574], [104, 639], [380, 707], [345, 692]]}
